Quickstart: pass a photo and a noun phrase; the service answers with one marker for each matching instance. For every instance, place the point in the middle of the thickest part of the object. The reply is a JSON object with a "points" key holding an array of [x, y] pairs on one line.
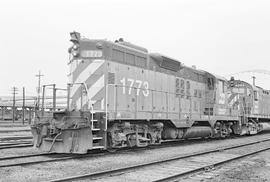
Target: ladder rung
{"points": [[97, 111], [97, 138], [98, 147], [94, 120]]}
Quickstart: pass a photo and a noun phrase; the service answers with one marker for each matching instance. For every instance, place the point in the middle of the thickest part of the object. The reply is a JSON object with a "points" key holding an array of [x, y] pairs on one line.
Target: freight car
{"points": [[119, 95]]}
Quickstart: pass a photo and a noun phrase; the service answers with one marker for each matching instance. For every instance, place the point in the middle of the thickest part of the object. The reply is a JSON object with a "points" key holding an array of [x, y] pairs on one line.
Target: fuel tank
{"points": [[264, 126], [198, 131], [193, 132]]}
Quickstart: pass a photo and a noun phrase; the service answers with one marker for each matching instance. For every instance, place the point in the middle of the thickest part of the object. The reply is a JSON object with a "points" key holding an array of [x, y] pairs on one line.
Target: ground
{"points": [[251, 169]]}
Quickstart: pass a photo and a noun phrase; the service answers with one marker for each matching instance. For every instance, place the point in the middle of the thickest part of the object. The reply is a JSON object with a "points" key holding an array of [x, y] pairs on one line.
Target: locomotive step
{"points": [[97, 138], [97, 111], [51, 139], [98, 147], [95, 129]]}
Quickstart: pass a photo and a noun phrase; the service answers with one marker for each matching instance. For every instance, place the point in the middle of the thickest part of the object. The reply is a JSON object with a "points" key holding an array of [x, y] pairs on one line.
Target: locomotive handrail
{"points": [[199, 99], [54, 139]]}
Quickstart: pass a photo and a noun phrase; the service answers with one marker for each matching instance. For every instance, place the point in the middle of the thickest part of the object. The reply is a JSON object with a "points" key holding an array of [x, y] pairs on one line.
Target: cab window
{"points": [[256, 96], [221, 86], [210, 83]]}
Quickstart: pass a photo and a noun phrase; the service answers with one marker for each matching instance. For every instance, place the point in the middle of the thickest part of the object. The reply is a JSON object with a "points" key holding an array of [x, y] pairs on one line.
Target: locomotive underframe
{"points": [[73, 132], [132, 133]]}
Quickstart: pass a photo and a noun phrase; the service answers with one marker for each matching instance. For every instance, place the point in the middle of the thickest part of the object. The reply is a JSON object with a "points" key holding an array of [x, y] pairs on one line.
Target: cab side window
{"points": [[182, 86], [256, 96], [210, 83], [188, 88], [221, 86]]}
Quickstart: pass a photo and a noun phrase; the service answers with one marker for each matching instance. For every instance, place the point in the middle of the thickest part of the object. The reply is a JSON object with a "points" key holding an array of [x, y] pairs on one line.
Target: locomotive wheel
{"points": [[131, 140], [150, 138], [110, 144], [109, 140]]}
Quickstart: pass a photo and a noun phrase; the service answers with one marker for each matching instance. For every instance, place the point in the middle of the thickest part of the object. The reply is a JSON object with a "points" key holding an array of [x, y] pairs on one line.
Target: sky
{"points": [[223, 37]]}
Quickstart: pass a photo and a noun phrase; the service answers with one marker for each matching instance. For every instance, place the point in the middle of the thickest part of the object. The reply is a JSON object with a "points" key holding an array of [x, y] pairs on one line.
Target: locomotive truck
{"points": [[120, 95]]}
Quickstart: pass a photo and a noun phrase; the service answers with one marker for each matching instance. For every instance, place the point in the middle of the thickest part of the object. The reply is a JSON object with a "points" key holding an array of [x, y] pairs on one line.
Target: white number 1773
{"points": [[130, 84]]}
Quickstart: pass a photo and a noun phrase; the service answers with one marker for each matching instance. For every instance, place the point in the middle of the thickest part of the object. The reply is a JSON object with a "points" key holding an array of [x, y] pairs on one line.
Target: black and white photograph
{"points": [[135, 90]]}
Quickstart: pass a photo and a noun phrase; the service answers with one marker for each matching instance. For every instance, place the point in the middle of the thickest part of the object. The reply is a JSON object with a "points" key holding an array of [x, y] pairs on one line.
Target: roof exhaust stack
{"points": [[253, 78]]}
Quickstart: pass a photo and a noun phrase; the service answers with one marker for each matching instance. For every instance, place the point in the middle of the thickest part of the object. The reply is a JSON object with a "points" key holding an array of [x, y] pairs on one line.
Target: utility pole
{"points": [[14, 92], [23, 107], [38, 89]]}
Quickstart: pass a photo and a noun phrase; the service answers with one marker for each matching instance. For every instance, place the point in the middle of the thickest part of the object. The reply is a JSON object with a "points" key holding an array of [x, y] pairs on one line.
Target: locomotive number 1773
{"points": [[129, 85]]}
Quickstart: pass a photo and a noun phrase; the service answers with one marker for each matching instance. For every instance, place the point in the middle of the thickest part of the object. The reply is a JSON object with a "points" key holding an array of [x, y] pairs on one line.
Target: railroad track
{"points": [[12, 138], [31, 159], [3, 144], [16, 145], [15, 142], [61, 157], [176, 167], [53, 157], [34, 159], [14, 131]]}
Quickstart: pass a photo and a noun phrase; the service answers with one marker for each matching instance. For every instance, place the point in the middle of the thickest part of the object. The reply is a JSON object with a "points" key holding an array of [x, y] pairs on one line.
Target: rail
{"points": [[130, 169]]}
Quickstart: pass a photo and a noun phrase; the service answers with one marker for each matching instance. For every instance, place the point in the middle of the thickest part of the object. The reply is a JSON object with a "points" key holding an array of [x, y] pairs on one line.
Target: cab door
{"points": [[256, 102], [185, 99], [209, 96], [221, 98]]}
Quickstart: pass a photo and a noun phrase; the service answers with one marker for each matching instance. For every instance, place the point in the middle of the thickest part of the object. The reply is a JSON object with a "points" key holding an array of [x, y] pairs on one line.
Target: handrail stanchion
{"points": [[68, 95], [43, 97], [54, 97]]}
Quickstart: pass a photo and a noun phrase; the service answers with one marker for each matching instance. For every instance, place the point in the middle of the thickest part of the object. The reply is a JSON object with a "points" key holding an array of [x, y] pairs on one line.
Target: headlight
{"points": [[75, 53], [75, 46]]}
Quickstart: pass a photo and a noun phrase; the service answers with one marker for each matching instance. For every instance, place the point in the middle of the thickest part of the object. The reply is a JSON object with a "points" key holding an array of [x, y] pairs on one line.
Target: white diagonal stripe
{"points": [[93, 90], [96, 87], [85, 74], [78, 104], [102, 104]]}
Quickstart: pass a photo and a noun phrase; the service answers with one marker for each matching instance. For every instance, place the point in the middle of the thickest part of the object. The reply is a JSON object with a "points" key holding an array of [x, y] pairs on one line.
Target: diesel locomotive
{"points": [[120, 95]]}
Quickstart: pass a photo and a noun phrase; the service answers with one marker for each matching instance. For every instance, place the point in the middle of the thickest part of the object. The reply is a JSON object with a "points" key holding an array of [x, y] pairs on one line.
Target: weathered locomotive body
{"points": [[119, 95]]}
